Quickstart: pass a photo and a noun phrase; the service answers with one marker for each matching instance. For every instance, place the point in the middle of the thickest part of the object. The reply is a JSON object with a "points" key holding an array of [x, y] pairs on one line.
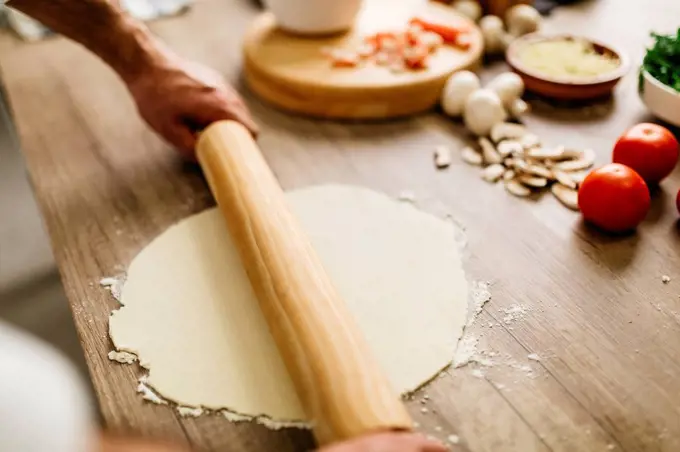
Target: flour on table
{"points": [[114, 285], [122, 357], [466, 351], [268, 422], [514, 313], [191, 317], [187, 411], [148, 393], [480, 294]]}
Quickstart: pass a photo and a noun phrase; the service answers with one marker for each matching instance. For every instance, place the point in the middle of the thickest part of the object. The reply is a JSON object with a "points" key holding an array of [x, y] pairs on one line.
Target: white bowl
{"points": [[314, 17], [663, 101]]}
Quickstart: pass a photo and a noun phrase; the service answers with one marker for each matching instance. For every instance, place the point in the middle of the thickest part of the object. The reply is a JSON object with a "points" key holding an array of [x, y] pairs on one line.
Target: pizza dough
{"points": [[191, 317]]}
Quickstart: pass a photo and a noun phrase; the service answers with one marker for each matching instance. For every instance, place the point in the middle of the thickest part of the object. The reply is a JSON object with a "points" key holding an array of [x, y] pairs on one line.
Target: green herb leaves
{"points": [[663, 60]]}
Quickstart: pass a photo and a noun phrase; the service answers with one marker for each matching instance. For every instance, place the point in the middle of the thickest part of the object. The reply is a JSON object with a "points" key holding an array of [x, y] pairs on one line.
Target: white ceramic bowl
{"points": [[314, 17], [663, 101]]}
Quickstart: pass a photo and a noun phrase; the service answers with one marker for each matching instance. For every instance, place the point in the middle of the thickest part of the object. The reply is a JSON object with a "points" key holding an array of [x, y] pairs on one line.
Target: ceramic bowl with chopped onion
{"points": [[567, 67]]}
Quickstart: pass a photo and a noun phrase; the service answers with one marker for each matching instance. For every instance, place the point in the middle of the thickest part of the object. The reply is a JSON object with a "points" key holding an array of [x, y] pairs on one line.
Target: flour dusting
{"points": [[122, 357], [264, 420], [480, 294], [114, 284], [148, 393], [187, 411], [467, 348], [514, 313]]}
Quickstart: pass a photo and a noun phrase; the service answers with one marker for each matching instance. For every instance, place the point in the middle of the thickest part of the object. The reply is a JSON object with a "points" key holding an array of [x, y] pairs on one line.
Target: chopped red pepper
{"points": [[416, 57], [447, 32], [464, 41], [412, 35], [381, 40]]}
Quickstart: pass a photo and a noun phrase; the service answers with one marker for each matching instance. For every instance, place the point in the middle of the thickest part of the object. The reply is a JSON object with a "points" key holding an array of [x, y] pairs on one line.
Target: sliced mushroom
{"points": [[571, 153], [579, 176], [565, 179], [471, 156], [518, 108], [489, 152], [542, 153], [538, 170], [585, 161], [530, 141], [518, 164], [533, 181], [442, 157], [517, 189], [507, 131], [493, 173], [509, 174], [509, 147], [566, 195]]}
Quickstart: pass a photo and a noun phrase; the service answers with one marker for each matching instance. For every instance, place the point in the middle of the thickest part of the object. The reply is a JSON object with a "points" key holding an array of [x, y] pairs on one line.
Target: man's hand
{"points": [[178, 98], [388, 442]]}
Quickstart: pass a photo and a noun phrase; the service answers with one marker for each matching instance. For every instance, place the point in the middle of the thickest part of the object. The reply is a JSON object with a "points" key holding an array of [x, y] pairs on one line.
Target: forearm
{"points": [[102, 27]]}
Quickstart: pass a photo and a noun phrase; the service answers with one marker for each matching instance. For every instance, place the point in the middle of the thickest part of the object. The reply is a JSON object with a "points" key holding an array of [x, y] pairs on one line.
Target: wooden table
{"points": [[606, 327]]}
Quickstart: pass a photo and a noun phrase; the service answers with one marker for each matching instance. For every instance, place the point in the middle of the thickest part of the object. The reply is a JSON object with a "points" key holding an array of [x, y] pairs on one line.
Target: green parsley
{"points": [[663, 60]]}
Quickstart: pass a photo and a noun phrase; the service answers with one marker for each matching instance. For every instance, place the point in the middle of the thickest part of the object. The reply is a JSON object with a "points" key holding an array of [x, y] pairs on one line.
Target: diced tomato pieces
{"points": [[447, 32], [381, 40], [464, 41], [413, 35], [344, 58], [416, 57], [431, 40], [344, 63], [366, 50]]}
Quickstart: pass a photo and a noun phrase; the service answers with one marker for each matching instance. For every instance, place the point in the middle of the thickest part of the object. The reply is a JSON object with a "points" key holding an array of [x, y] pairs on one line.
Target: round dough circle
{"points": [[191, 317]]}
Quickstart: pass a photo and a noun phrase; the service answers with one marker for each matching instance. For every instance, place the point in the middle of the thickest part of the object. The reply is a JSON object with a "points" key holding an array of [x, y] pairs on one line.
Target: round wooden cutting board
{"points": [[292, 73]]}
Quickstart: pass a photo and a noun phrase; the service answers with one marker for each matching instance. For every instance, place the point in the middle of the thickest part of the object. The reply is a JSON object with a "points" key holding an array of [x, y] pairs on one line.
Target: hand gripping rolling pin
{"points": [[341, 387]]}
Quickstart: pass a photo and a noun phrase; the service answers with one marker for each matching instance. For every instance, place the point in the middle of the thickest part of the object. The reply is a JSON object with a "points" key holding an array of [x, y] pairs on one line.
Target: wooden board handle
{"points": [[340, 385], [500, 7]]}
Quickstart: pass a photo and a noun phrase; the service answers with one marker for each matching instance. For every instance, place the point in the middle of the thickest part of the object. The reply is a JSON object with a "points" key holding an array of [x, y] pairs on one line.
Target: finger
{"points": [[420, 443], [180, 135], [388, 442], [222, 109]]}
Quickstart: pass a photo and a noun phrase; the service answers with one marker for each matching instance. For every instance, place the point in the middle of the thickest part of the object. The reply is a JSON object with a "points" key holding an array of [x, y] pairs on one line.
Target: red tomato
{"points": [[649, 149], [614, 198]]}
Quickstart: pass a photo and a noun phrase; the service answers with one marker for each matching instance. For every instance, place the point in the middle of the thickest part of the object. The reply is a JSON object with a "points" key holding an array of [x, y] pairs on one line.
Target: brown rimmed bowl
{"points": [[566, 88]]}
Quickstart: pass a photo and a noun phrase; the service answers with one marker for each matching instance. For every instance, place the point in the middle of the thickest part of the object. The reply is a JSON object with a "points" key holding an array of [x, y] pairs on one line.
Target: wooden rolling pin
{"points": [[342, 389]]}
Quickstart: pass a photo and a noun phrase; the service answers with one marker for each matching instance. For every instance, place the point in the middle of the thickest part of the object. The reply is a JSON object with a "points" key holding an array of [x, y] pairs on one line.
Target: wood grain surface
{"points": [[606, 327], [294, 74]]}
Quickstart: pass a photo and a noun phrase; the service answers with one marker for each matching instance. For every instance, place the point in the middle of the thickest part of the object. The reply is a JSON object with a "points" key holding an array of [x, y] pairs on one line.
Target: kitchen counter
{"points": [[597, 313]]}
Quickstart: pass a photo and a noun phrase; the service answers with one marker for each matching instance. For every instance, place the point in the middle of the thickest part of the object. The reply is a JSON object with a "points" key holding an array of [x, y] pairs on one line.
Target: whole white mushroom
{"points": [[457, 90], [494, 35], [522, 20], [483, 110], [469, 8], [509, 87]]}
